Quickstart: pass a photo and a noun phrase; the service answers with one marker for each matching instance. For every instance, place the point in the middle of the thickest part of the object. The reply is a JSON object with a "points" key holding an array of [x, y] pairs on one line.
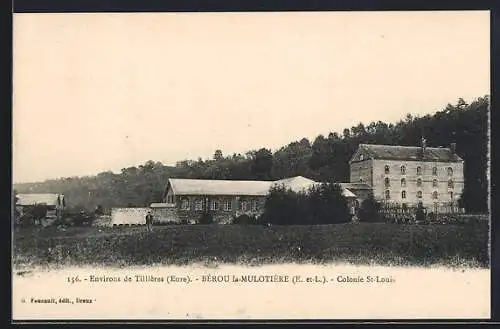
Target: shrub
{"points": [[369, 210], [80, 219], [33, 215], [323, 204], [420, 214], [431, 216], [16, 217], [26, 220], [99, 211], [283, 206], [206, 218], [245, 220], [327, 205]]}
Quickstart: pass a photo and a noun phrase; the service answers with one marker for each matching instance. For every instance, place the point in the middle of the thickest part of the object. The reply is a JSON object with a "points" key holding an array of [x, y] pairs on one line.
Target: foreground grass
{"points": [[361, 244]]}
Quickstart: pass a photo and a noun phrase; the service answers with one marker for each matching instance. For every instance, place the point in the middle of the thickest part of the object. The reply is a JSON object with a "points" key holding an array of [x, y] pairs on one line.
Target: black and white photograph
{"points": [[251, 165]]}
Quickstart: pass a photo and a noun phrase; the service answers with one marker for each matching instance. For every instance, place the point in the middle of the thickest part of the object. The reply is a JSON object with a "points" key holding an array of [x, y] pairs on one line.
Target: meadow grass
{"points": [[354, 243]]}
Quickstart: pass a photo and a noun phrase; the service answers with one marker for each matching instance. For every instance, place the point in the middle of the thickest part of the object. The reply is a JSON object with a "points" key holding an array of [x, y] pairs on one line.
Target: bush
{"points": [[99, 211], [432, 216], [283, 206], [26, 220], [206, 218], [323, 204], [246, 220], [33, 215], [16, 217], [369, 210], [80, 219], [327, 205], [420, 214]]}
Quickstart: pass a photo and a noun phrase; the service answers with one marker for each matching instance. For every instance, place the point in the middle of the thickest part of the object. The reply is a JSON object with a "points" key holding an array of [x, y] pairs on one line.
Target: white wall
{"points": [[128, 216]]}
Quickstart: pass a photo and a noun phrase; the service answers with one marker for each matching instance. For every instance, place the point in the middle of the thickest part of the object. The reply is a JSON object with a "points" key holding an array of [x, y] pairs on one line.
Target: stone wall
{"points": [[222, 215], [361, 172], [165, 215], [128, 216], [103, 220]]}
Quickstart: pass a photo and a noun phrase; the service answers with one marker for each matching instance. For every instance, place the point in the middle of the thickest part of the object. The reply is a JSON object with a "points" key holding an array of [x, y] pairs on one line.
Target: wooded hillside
{"points": [[325, 158]]}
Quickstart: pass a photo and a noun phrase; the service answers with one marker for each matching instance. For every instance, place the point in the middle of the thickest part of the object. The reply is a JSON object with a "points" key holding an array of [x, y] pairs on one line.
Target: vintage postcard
{"points": [[264, 165]]}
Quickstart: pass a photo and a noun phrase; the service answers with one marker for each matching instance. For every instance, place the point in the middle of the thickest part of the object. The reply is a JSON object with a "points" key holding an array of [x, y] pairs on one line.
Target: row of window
{"points": [[214, 205], [449, 170], [387, 182], [419, 194]]}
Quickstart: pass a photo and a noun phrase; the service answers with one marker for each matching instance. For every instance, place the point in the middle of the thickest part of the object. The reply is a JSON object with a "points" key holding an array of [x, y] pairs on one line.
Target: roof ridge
{"points": [[220, 180], [39, 193], [406, 146], [240, 180]]}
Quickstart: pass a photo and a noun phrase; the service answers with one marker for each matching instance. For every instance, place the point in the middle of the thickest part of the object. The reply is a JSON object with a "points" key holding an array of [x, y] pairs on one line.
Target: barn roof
{"points": [[347, 193], [296, 184], [160, 205], [218, 187], [355, 186], [302, 184], [397, 152], [50, 199], [238, 187]]}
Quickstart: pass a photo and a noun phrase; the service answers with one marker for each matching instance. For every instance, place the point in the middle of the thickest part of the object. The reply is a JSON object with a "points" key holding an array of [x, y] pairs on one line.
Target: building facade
{"points": [[223, 199], [55, 202], [186, 200], [406, 176]]}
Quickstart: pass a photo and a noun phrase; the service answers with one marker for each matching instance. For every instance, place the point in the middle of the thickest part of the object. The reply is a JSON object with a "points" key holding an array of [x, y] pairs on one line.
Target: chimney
{"points": [[453, 148]]}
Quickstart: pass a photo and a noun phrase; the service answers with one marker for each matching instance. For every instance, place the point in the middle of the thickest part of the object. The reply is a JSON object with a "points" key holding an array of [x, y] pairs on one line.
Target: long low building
{"points": [[186, 199]]}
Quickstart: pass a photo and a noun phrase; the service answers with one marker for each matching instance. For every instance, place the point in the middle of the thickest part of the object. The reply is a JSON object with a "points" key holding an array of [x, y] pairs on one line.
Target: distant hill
{"points": [[324, 158]]}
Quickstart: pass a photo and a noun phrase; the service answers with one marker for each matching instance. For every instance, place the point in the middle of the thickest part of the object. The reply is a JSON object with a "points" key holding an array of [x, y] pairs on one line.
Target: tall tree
{"points": [[262, 164], [218, 156]]}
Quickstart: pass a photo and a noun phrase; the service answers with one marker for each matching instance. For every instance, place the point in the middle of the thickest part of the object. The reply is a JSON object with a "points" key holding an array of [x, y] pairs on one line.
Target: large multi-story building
{"points": [[407, 176]]}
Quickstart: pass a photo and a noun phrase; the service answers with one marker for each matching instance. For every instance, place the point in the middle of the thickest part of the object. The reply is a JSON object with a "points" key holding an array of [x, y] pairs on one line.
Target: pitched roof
{"points": [[348, 194], [355, 186], [237, 187], [396, 152], [160, 205], [302, 184], [296, 184], [218, 187], [31, 199]]}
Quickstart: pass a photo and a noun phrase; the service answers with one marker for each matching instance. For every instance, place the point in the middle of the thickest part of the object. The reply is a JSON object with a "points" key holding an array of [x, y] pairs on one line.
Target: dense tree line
{"points": [[324, 159]]}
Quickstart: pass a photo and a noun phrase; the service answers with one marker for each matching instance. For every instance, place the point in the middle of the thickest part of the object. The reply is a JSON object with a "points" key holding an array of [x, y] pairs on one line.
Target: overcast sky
{"points": [[97, 92]]}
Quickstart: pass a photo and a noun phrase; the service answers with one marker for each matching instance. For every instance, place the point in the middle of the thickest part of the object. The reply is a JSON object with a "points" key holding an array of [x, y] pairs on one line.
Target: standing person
{"points": [[149, 221], [352, 212]]}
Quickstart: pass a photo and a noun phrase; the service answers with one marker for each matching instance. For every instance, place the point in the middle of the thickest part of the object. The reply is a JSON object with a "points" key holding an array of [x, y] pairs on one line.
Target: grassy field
{"points": [[361, 243]]}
